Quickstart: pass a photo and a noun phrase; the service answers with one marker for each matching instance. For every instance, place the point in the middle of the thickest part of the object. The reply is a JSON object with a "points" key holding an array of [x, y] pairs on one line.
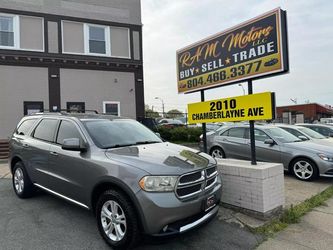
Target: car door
{"points": [[19, 142], [71, 169], [264, 152], [38, 147], [233, 143]]}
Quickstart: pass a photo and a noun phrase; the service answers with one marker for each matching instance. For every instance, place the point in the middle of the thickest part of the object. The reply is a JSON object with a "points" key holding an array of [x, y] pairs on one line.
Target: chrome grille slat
{"points": [[207, 175], [190, 185]]}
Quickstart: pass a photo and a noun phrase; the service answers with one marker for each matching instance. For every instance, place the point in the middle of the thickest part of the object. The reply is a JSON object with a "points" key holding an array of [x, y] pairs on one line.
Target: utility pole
{"points": [[163, 114]]}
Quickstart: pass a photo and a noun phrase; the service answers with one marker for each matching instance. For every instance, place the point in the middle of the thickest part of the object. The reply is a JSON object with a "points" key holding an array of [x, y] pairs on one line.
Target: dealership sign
{"points": [[254, 49], [241, 108]]}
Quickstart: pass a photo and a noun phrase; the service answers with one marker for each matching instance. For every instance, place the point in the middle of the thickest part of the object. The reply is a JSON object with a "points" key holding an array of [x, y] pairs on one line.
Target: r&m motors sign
{"points": [[253, 49], [241, 108]]}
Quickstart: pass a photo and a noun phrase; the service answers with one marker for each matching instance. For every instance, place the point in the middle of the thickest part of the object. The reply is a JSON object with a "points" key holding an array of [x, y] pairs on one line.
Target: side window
{"points": [[67, 130], [260, 135], [25, 126], [225, 133], [236, 132], [324, 131], [317, 129], [46, 129]]}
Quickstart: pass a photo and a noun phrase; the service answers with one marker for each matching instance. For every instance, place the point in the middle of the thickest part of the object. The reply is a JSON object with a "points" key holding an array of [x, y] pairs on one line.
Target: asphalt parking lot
{"points": [[46, 222]]}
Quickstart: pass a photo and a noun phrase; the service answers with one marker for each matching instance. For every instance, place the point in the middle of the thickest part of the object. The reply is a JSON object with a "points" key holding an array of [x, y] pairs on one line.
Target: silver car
{"points": [[325, 130], [305, 159], [305, 134]]}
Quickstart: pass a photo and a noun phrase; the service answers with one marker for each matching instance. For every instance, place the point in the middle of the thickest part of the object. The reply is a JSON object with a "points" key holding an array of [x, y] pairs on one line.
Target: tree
{"points": [[151, 113], [173, 113]]}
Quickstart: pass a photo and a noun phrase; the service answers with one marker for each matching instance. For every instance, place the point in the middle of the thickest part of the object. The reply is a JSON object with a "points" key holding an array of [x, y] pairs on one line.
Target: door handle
{"points": [[54, 153], [25, 145]]}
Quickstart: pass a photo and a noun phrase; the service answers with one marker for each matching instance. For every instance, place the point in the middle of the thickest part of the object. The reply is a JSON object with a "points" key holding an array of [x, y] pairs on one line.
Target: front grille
{"points": [[190, 178], [210, 182], [210, 171], [183, 192], [192, 184]]}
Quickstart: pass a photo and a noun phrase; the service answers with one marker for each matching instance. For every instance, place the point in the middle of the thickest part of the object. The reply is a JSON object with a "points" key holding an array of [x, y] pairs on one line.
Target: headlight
{"points": [[158, 183], [325, 157]]}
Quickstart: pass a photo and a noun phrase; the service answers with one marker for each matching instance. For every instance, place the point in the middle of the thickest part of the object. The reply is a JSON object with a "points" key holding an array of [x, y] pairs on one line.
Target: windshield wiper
{"points": [[130, 144], [146, 142], [118, 146]]}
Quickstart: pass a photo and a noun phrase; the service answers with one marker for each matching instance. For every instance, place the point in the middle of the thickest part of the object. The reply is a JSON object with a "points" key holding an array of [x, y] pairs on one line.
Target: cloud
{"points": [[169, 25]]}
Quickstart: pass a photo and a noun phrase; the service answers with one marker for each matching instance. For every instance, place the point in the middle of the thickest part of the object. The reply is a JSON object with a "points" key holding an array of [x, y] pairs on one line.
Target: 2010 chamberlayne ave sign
{"points": [[241, 108], [253, 49]]}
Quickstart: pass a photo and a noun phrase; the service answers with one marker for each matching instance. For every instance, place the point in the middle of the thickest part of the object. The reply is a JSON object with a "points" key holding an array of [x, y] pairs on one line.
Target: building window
{"points": [[112, 108], [76, 107], [97, 40], [8, 31], [30, 108]]}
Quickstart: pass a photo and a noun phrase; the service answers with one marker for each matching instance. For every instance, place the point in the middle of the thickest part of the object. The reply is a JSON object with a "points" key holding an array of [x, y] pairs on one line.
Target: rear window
{"points": [[25, 126], [46, 129]]}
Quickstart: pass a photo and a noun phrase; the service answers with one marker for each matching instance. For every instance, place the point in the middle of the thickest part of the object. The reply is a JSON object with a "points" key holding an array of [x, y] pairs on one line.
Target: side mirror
{"points": [[303, 138], [158, 134], [269, 141], [73, 144]]}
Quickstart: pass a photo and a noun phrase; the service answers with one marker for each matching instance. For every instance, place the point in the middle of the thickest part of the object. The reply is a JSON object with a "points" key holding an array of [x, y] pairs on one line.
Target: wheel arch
{"points": [[13, 161], [216, 146], [114, 184], [300, 157]]}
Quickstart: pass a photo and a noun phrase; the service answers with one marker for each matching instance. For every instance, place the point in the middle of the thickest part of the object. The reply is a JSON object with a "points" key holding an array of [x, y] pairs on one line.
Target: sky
{"points": [[169, 25]]}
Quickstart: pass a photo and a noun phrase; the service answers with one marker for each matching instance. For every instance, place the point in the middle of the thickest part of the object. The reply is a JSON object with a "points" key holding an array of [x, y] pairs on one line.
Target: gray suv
{"points": [[131, 179]]}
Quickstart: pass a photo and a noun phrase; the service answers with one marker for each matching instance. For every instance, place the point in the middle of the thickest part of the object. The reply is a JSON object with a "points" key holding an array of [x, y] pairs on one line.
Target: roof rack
{"points": [[64, 112]]}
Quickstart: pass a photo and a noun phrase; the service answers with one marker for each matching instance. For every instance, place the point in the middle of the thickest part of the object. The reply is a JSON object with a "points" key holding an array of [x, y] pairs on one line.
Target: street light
{"points": [[239, 84], [162, 104]]}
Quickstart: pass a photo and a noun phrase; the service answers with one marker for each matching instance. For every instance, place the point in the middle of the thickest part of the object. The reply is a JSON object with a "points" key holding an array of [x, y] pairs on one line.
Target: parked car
{"points": [[328, 121], [170, 123], [213, 126], [117, 168], [150, 123], [305, 159], [325, 130], [304, 134]]}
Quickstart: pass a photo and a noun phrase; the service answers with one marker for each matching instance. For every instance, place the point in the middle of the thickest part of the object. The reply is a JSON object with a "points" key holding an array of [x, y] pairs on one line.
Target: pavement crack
{"points": [[296, 243], [320, 211]]}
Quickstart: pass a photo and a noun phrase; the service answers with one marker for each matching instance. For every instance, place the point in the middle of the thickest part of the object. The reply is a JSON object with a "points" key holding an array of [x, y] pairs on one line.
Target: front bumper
{"points": [[325, 168], [165, 214]]}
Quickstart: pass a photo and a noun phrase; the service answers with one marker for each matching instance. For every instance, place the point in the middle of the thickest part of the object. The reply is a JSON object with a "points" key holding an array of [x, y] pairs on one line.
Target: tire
{"points": [[217, 152], [304, 169], [22, 184], [121, 219]]}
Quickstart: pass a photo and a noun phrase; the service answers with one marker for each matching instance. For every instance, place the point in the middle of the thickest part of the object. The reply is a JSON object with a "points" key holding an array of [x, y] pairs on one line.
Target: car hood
{"points": [[161, 158], [313, 146]]}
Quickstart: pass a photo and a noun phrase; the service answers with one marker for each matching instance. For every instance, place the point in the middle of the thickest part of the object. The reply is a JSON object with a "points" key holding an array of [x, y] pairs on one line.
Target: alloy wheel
{"points": [[19, 180], [303, 170], [217, 153], [113, 220]]}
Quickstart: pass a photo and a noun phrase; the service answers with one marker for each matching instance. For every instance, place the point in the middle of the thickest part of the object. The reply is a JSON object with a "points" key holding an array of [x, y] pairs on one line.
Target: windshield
{"points": [[311, 133], [282, 135], [118, 133]]}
